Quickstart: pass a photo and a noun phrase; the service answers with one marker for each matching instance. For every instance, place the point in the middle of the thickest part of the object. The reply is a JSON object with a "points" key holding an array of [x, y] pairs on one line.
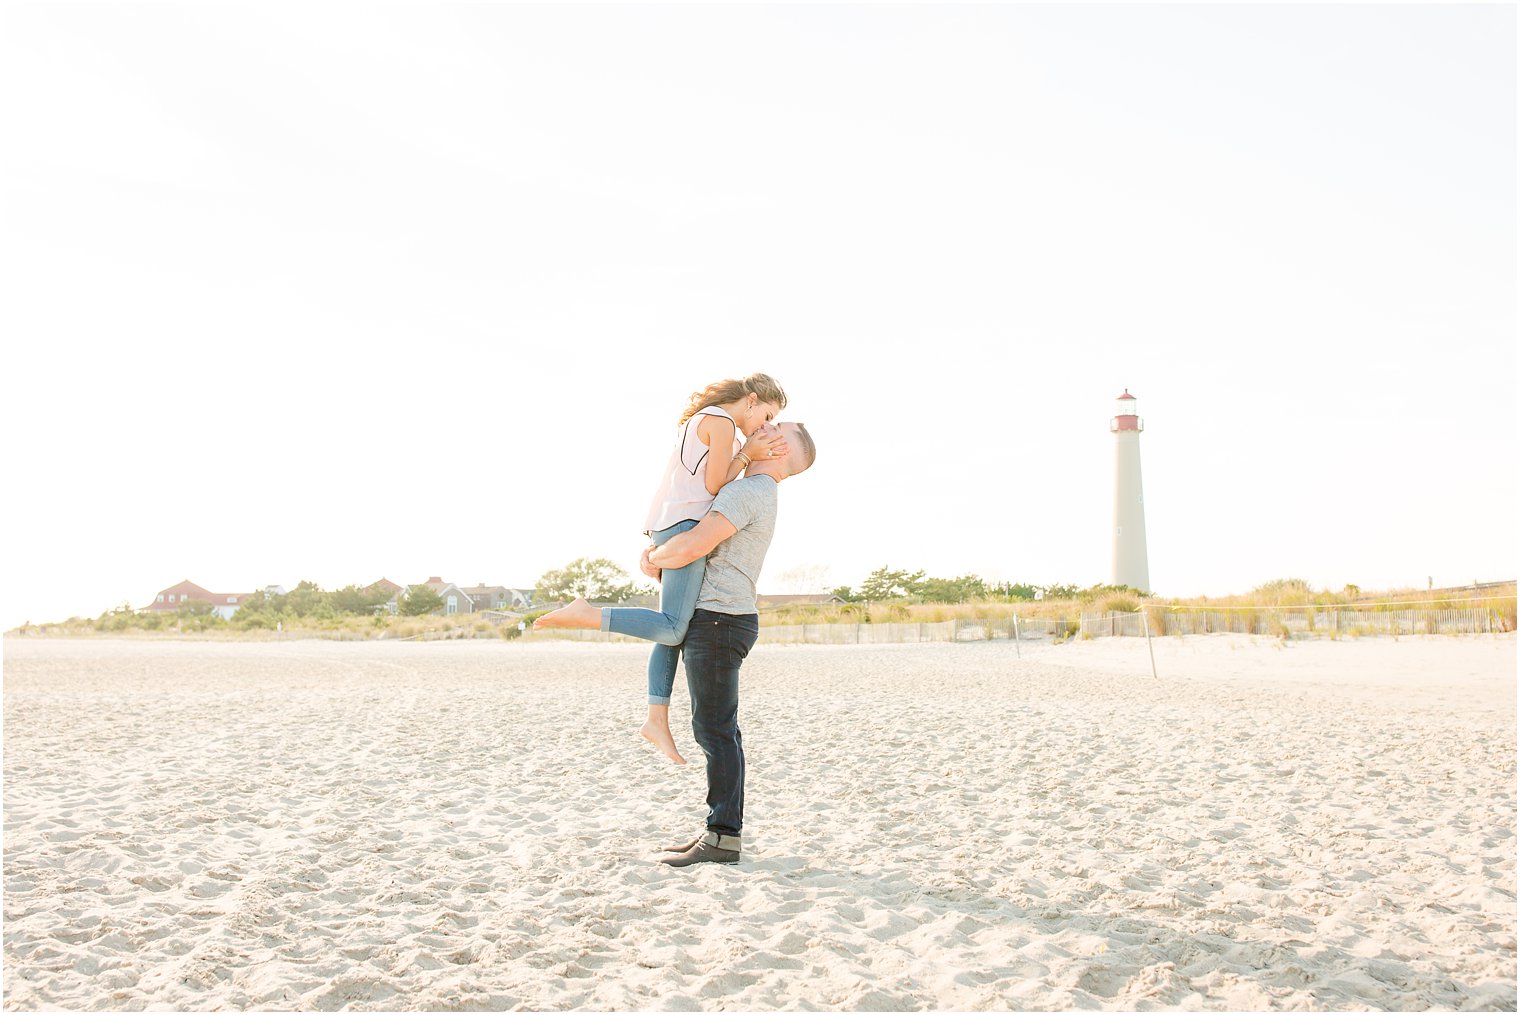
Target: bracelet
{"points": [[747, 461]]}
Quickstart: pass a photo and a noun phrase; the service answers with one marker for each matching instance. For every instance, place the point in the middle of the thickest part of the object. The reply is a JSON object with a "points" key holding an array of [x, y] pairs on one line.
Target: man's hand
{"points": [[685, 547], [649, 569]]}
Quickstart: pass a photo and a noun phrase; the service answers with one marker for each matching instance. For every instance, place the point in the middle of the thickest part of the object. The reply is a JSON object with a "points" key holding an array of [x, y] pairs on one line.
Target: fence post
{"points": [[1016, 653], [1144, 620]]}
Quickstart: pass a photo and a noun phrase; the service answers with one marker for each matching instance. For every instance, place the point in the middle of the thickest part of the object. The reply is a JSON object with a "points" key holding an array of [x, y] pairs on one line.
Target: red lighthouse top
{"points": [[1125, 417]]}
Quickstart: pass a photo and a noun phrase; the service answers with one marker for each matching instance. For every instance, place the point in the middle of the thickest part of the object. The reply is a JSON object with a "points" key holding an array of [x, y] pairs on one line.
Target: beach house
{"points": [[187, 593], [499, 597], [476, 598]]}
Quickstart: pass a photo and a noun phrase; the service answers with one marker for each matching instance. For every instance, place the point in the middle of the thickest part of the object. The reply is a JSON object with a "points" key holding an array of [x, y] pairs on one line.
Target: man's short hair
{"points": [[809, 449]]}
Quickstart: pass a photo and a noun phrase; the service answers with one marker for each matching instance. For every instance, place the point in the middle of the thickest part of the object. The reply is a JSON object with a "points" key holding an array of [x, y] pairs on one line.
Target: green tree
{"points": [[846, 593], [197, 616], [953, 590], [598, 579], [304, 598], [884, 583], [251, 620], [356, 601], [260, 610], [420, 599]]}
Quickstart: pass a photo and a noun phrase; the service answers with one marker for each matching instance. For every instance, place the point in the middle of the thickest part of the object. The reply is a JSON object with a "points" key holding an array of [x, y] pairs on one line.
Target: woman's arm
{"points": [[717, 432], [722, 466], [685, 547]]}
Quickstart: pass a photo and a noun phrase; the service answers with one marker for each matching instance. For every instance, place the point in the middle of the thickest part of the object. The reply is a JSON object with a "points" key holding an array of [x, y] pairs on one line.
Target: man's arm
{"points": [[682, 549]]}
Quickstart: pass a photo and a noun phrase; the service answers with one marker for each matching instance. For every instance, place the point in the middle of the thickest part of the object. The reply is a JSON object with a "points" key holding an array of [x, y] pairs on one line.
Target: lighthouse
{"points": [[1131, 565]]}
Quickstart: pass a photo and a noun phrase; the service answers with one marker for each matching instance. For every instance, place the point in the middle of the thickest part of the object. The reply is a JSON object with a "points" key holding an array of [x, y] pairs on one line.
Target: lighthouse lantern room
{"points": [[1126, 416]]}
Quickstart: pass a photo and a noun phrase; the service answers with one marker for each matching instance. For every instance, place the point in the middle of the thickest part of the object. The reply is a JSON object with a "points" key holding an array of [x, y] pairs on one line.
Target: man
{"points": [[736, 533], [734, 536]]}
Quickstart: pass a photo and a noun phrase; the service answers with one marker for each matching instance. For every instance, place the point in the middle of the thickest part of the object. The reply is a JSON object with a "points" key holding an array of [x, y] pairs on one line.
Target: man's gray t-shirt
{"points": [[733, 568]]}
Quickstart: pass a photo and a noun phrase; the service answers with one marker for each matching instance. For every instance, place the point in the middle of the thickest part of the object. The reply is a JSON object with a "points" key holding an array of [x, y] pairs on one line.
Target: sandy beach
{"points": [[472, 825]]}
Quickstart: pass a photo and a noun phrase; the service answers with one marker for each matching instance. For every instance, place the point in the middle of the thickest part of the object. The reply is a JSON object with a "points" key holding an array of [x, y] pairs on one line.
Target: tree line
{"points": [[603, 581], [597, 579], [309, 601], [600, 580], [887, 583]]}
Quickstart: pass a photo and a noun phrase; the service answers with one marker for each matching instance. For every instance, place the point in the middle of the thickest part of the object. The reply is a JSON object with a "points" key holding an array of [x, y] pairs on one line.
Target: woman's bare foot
{"points": [[656, 730], [578, 614]]}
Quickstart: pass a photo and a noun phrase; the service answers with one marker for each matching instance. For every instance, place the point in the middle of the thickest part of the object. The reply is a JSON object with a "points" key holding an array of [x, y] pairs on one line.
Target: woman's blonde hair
{"points": [[762, 386]]}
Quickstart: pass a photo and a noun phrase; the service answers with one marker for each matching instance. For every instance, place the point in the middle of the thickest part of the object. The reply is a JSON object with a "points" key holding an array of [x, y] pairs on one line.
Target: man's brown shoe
{"points": [[709, 848]]}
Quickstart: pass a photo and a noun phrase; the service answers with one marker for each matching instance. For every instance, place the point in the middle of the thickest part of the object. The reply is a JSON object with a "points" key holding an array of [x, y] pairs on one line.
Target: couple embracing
{"points": [[709, 526]]}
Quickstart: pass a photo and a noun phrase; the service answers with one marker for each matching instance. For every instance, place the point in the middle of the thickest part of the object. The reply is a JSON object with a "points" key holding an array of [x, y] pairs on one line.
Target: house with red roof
{"points": [[187, 593], [387, 586]]}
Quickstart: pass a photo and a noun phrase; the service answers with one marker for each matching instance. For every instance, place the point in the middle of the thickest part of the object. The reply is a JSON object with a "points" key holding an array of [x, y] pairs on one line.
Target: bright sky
{"points": [[341, 292]]}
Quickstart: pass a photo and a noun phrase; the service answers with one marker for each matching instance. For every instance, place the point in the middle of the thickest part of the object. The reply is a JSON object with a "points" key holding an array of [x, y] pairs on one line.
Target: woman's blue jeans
{"points": [[667, 625]]}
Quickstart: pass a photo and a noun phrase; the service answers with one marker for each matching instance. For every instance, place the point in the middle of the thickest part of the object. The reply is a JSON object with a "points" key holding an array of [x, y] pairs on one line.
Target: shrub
{"points": [[1285, 592], [1155, 616], [1119, 602]]}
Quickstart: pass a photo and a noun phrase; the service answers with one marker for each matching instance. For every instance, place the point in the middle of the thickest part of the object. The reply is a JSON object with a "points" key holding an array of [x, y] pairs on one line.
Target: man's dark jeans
{"points": [[716, 644]]}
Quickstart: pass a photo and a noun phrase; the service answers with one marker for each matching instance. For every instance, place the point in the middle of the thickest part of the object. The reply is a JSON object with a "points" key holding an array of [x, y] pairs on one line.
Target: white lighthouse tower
{"points": [[1131, 565]]}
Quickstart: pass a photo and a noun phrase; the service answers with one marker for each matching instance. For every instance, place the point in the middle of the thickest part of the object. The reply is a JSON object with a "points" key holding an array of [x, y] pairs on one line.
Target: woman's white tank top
{"points": [[682, 493]]}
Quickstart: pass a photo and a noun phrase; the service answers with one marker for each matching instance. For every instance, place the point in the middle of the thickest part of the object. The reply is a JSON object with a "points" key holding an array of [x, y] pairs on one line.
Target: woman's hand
{"points": [[766, 442], [649, 569]]}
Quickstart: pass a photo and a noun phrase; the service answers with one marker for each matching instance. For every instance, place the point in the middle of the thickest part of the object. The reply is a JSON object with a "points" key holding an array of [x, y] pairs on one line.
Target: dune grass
{"points": [[1259, 611]]}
